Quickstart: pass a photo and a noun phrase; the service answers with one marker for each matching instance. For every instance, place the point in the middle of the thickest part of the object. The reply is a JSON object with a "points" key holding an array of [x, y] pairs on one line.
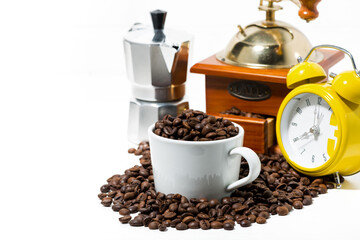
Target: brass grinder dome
{"points": [[271, 43], [267, 45]]}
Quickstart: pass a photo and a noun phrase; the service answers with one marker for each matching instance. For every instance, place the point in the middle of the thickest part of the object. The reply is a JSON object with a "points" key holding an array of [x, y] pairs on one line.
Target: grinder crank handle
{"points": [[308, 10]]}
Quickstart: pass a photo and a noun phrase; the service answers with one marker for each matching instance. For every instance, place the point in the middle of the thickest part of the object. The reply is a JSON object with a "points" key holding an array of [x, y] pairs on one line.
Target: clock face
{"points": [[309, 130]]}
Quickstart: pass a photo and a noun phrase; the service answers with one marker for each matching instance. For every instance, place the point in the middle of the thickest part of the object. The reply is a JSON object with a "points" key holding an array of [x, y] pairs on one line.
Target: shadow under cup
{"points": [[198, 169]]}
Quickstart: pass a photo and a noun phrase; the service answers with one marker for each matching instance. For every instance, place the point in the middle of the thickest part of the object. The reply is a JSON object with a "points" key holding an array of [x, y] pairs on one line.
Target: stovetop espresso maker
{"points": [[157, 66]]}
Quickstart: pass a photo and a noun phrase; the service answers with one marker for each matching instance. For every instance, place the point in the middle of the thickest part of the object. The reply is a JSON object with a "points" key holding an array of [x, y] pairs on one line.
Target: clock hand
{"points": [[315, 116], [319, 119], [316, 128], [305, 134]]}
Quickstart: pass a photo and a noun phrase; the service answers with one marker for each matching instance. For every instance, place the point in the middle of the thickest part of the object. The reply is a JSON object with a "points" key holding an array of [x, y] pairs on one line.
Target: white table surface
{"points": [[63, 114]]}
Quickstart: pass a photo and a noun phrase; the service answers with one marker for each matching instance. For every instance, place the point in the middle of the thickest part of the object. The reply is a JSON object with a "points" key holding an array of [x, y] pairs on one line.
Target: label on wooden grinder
{"points": [[249, 90]]}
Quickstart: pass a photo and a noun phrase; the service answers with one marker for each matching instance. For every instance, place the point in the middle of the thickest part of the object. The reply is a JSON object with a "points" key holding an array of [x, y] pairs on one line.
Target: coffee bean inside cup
{"points": [[193, 125]]}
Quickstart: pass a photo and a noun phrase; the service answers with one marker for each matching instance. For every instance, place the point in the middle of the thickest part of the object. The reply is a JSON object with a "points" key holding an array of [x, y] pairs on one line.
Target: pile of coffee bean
{"points": [[278, 190], [238, 112], [193, 125]]}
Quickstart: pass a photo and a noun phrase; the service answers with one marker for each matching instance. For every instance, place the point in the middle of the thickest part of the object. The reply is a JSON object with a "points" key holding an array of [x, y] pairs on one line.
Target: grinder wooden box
{"points": [[251, 90]]}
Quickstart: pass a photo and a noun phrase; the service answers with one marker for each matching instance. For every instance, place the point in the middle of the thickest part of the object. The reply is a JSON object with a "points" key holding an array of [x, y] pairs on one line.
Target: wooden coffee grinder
{"points": [[250, 73]]}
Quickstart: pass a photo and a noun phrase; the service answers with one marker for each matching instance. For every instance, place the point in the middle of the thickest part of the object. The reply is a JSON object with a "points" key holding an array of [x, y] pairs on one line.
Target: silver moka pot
{"points": [[157, 65]]}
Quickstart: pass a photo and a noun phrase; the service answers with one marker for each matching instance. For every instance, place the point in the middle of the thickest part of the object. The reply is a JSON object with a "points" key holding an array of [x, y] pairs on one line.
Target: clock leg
{"points": [[337, 179]]}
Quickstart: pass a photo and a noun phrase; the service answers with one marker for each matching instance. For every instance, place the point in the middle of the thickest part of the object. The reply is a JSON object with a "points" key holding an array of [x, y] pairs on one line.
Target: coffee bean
{"points": [[282, 210], [173, 207], [199, 127], [136, 222], [212, 213], [206, 129], [221, 132], [239, 218], [194, 225], [307, 200], [106, 201], [186, 125], [153, 225], [131, 150], [297, 204], [260, 220], [159, 125], [184, 200], [175, 222], [241, 209], [216, 225], [236, 205], [252, 218], [204, 224], [267, 193], [193, 210], [116, 207], [105, 188], [177, 121], [202, 206], [264, 214], [228, 226], [322, 188], [102, 195], [133, 209], [167, 122], [162, 227], [226, 200], [313, 193], [181, 226], [125, 219], [317, 182], [129, 195], [245, 223], [157, 132], [169, 215], [225, 209], [154, 214], [167, 223], [203, 216], [210, 135], [137, 152], [168, 130], [124, 211], [188, 219], [204, 139]]}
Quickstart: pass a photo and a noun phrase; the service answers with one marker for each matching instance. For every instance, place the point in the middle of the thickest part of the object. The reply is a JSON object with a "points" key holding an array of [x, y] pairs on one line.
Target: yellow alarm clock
{"points": [[318, 124]]}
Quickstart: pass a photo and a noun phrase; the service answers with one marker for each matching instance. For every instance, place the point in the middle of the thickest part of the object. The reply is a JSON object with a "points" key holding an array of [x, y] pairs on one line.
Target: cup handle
{"points": [[254, 167]]}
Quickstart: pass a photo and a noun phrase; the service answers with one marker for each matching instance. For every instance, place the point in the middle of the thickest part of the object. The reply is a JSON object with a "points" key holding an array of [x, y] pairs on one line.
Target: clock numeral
{"points": [[329, 108], [319, 100], [324, 157], [302, 151], [313, 158], [307, 102], [299, 111], [296, 139], [294, 124], [297, 99]]}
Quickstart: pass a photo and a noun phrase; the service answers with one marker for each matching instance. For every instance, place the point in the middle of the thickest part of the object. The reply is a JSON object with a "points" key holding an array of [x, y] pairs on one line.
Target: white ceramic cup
{"points": [[208, 169]]}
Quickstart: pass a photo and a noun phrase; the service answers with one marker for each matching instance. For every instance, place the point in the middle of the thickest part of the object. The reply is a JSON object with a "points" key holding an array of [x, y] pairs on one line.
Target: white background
{"points": [[63, 113]]}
